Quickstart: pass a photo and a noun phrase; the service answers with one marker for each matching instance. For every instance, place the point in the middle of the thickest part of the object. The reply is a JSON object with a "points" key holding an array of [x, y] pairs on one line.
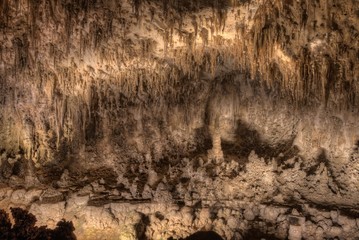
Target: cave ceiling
{"points": [[304, 51]]}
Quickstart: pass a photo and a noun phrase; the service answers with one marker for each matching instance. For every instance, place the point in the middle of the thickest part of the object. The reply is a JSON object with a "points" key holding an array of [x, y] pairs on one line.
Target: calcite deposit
{"points": [[158, 119]]}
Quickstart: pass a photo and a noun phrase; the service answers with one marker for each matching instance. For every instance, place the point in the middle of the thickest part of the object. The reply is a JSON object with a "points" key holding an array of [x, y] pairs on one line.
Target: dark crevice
{"points": [[141, 227], [257, 234], [201, 235]]}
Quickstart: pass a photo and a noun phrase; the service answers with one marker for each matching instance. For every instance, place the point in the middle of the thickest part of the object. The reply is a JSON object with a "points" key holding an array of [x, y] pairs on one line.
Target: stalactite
{"points": [[109, 16], [4, 13], [34, 7], [129, 69], [136, 7], [51, 6], [21, 60]]}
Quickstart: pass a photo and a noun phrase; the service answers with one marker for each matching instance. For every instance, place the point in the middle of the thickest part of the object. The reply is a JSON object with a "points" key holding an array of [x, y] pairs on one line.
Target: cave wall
{"points": [[121, 97]]}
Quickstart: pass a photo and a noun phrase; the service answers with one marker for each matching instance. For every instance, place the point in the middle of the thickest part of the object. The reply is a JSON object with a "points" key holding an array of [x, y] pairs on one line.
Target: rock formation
{"points": [[149, 119], [24, 227]]}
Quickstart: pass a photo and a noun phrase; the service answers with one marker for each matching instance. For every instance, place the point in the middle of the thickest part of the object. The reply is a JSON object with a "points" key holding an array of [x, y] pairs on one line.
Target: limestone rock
{"points": [[159, 119]]}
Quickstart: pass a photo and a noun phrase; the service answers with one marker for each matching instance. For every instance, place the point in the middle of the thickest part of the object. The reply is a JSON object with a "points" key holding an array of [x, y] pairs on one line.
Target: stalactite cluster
{"points": [[202, 107], [88, 59]]}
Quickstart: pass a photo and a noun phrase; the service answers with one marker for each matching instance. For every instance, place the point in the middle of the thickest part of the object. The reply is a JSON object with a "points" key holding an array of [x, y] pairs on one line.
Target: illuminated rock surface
{"points": [[157, 119]]}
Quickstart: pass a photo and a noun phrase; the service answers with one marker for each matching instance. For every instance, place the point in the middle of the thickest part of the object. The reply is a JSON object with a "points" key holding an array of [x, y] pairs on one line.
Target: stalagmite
{"points": [[216, 152]]}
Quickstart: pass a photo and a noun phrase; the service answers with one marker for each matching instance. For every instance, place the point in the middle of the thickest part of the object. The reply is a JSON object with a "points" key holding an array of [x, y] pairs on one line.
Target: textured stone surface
{"points": [[163, 118]]}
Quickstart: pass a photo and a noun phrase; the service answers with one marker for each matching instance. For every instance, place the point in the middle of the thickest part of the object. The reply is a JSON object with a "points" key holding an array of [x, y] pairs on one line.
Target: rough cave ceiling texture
{"points": [[159, 118]]}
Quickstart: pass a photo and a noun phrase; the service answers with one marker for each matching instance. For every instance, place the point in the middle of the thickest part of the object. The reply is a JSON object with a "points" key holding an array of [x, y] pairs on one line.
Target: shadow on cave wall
{"points": [[252, 234], [140, 227], [249, 139], [201, 235], [24, 227], [246, 140]]}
